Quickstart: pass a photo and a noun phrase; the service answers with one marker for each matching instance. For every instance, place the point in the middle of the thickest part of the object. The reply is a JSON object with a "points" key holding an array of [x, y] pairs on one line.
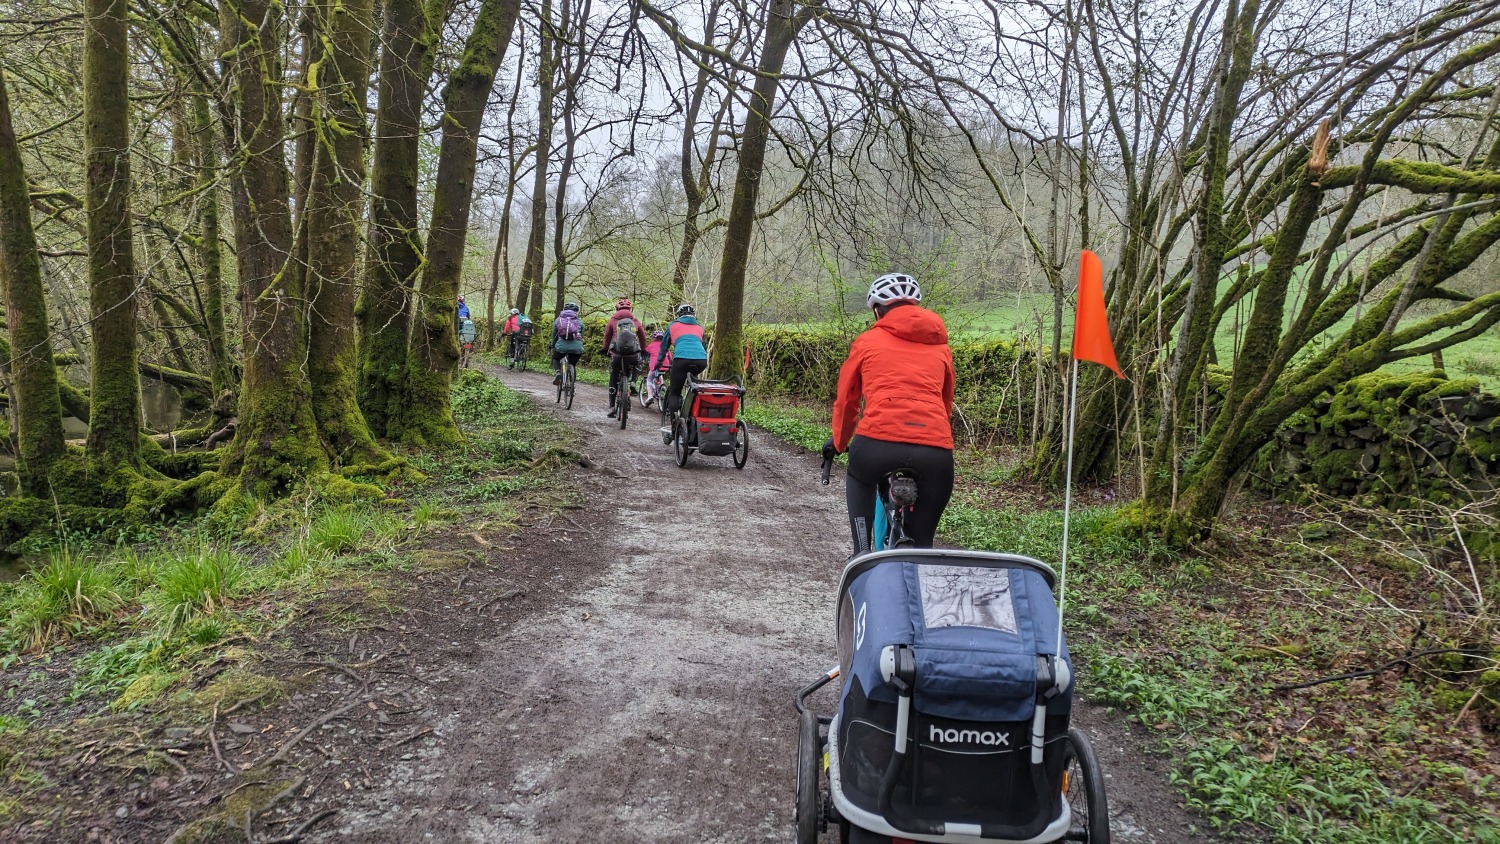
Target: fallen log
{"points": [[178, 378]]}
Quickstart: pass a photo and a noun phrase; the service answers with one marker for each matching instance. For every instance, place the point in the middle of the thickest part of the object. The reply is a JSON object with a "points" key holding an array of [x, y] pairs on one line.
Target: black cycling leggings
{"points": [[558, 356], [619, 365], [871, 460], [680, 369]]}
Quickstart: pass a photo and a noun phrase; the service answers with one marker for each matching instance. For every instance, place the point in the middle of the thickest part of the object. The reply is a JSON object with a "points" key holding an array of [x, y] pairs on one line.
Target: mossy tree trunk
{"points": [[573, 66], [34, 401], [427, 413], [210, 255], [500, 261], [785, 20], [276, 443], [1240, 249], [695, 179], [114, 417], [1213, 242], [1269, 384], [395, 249], [337, 86], [532, 264]]}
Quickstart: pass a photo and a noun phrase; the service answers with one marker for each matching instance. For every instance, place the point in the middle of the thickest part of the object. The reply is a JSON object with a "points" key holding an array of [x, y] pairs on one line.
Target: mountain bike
{"points": [[622, 388], [895, 498], [466, 356], [652, 389], [519, 353], [569, 381]]}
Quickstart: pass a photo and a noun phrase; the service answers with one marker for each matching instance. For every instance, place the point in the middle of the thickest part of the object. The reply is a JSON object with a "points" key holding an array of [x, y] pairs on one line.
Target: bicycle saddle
{"points": [[903, 489]]}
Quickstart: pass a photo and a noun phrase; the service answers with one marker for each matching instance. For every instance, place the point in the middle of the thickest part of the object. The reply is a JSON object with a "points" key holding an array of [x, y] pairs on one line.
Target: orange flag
{"points": [[1090, 327]]}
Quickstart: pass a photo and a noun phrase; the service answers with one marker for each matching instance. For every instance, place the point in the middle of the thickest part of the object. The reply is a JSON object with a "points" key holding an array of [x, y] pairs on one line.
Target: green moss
{"points": [[226, 825], [20, 516], [234, 686], [186, 464], [440, 560], [147, 688], [335, 488]]}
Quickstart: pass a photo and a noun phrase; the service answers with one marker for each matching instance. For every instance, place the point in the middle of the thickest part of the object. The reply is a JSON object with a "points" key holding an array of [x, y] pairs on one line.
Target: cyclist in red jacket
{"points": [[624, 341], [902, 369]]}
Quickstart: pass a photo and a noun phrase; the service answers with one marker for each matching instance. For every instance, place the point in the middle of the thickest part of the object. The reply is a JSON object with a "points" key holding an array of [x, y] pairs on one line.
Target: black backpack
{"points": [[626, 343]]}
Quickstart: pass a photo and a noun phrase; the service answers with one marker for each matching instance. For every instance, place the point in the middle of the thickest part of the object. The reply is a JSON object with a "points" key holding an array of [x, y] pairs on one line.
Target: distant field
{"points": [[1477, 358], [1023, 315]]}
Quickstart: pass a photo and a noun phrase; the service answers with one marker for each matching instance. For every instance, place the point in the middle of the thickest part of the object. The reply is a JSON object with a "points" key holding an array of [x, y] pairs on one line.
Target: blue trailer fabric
{"points": [[975, 632]]}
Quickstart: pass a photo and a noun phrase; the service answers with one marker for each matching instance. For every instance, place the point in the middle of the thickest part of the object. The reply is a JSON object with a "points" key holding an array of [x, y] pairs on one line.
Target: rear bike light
{"points": [[703, 429]]}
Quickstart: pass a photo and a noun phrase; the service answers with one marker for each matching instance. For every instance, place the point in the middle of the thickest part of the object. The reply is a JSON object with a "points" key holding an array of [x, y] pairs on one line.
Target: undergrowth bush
{"points": [[336, 531], [198, 582], [994, 391], [478, 398], [69, 592]]}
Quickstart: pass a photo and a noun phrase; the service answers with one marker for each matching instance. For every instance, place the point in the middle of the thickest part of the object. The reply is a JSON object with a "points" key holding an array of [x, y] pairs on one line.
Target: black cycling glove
{"points": [[828, 450]]}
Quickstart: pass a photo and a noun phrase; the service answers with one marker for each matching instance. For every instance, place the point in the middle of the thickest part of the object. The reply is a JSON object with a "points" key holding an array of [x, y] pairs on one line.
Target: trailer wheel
{"points": [[808, 790], [1084, 784]]}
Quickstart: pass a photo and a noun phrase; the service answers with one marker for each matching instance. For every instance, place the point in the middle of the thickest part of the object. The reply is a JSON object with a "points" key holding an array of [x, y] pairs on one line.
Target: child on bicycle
{"points": [[655, 362], [623, 342], [902, 368], [567, 340], [684, 344]]}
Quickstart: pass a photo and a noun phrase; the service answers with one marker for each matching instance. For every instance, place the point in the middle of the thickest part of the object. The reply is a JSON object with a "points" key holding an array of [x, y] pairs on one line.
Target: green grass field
{"points": [[1024, 316]]}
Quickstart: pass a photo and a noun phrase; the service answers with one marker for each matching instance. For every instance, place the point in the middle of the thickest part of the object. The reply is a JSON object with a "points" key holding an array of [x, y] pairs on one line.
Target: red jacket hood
{"points": [[915, 324]]}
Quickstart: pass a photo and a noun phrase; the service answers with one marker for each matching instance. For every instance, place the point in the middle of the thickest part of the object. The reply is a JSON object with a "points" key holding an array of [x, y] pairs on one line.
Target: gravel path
{"points": [[643, 691]]}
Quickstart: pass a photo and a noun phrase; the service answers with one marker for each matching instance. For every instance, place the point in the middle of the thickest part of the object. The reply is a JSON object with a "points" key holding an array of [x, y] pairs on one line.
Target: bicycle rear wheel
{"points": [[622, 401], [570, 379]]}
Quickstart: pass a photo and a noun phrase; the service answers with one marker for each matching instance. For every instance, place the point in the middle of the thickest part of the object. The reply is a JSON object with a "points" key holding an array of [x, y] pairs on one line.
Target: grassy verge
{"points": [[174, 627], [1193, 646]]}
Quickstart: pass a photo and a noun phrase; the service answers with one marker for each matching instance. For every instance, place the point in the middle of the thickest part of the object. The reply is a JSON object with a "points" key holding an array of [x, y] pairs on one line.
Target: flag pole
{"points": [[1062, 588]]}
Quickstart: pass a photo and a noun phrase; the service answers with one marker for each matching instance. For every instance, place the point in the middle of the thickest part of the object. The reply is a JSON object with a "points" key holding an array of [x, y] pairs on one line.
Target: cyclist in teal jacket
{"points": [[683, 340]]}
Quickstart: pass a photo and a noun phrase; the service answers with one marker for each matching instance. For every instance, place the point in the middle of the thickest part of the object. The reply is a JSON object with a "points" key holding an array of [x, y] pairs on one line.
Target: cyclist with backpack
{"points": [[683, 341], [467, 334], [623, 341], [902, 369], [508, 331], [567, 339]]}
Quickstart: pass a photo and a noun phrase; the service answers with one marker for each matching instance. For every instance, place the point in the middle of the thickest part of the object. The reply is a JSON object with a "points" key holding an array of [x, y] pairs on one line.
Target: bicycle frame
{"points": [[890, 521], [890, 518]]}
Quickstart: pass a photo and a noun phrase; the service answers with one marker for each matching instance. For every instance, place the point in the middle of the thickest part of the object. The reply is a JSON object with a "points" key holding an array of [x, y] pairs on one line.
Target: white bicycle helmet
{"points": [[893, 287]]}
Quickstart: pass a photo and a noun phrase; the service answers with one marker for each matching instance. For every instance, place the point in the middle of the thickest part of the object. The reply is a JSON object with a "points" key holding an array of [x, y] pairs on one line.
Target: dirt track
{"points": [[642, 689]]}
